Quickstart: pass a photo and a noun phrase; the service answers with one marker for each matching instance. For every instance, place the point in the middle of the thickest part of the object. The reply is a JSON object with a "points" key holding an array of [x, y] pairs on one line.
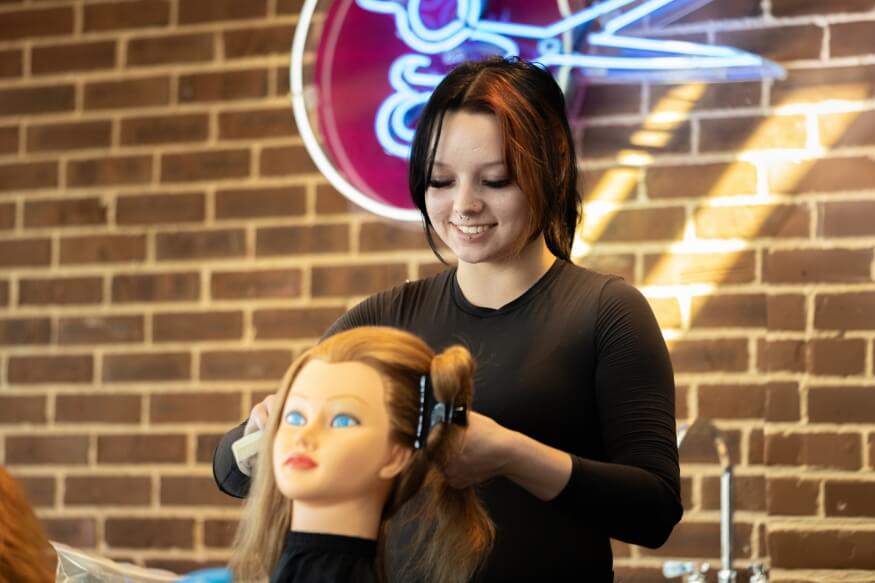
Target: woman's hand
{"points": [[259, 415], [483, 454]]}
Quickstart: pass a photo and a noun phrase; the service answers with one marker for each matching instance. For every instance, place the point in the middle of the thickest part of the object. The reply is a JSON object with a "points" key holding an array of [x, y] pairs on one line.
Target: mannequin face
{"points": [[333, 441]]}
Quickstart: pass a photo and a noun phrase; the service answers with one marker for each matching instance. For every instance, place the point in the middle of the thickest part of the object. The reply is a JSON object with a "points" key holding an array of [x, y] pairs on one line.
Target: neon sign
{"points": [[377, 62]]}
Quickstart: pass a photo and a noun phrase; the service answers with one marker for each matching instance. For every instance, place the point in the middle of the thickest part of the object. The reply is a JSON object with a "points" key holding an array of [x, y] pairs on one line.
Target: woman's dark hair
{"points": [[538, 147]]}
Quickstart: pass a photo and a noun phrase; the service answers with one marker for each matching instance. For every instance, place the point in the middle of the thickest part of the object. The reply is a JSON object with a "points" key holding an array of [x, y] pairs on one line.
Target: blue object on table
{"points": [[217, 575]]}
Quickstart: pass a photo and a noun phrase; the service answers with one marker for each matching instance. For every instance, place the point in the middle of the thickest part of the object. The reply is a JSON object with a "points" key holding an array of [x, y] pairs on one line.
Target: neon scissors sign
{"points": [[419, 41]]}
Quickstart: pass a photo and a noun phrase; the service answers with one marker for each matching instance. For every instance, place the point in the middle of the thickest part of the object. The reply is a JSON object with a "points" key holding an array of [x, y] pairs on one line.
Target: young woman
{"points": [[573, 439], [360, 432]]}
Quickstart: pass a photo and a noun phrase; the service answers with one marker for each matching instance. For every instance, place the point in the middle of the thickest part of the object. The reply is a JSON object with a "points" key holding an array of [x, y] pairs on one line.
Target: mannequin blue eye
{"points": [[341, 421], [295, 418]]}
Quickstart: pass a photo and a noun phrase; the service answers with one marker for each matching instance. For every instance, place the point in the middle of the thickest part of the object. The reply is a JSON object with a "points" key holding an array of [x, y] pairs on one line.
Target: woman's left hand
{"points": [[484, 453]]}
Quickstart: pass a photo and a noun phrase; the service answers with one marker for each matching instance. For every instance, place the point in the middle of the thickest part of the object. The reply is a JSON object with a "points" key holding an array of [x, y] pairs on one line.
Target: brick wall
{"points": [[167, 247]]}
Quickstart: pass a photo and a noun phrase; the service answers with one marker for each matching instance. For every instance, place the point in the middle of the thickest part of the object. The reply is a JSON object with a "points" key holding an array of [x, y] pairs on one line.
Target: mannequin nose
{"points": [[307, 436]]}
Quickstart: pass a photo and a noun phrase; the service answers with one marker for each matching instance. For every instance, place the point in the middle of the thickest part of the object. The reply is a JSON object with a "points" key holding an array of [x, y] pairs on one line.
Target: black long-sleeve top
{"points": [[577, 362]]}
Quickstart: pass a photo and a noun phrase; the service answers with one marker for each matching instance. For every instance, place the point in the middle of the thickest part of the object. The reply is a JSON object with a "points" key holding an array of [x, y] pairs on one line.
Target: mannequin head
{"points": [[25, 552], [342, 444]]}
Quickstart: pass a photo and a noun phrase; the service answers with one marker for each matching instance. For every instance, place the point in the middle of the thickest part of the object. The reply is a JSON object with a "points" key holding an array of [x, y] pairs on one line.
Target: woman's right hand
{"points": [[259, 415]]}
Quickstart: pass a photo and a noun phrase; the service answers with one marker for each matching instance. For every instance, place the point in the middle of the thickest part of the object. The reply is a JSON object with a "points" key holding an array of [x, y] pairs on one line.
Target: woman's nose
{"points": [[467, 201]]}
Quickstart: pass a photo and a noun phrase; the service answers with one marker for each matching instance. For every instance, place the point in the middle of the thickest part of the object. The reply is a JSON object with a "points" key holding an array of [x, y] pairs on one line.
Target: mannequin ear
{"points": [[398, 458]]}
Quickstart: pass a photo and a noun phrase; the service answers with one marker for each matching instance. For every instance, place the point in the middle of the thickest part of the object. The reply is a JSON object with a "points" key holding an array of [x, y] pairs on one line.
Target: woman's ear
{"points": [[398, 458]]}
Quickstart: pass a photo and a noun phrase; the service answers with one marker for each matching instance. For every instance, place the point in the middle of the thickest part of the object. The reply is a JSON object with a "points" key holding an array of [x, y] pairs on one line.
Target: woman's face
{"points": [[333, 438], [475, 209]]}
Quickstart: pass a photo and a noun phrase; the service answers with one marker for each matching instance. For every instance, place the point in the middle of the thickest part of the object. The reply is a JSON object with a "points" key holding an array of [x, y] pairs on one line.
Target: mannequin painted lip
{"points": [[300, 461]]}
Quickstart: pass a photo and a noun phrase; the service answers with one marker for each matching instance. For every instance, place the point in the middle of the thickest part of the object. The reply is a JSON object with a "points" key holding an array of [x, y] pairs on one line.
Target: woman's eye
{"points": [[341, 421], [295, 418], [497, 183], [439, 183]]}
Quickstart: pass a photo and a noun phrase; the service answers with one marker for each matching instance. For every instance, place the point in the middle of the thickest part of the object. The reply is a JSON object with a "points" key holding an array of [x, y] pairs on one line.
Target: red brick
{"points": [[732, 401], [97, 409], [11, 63], [199, 407], [851, 311], [7, 215], [843, 498], [224, 86], [782, 44], [206, 446], [654, 224], [756, 455], [38, 22], [356, 280], [108, 171], [858, 129], [302, 240], [846, 219], [607, 141], [197, 11], [69, 136], [258, 42], [841, 404], [803, 7], [37, 100], [183, 565], [156, 287], [156, 209], [856, 83], [169, 49], [697, 539], [729, 311], [100, 330], [136, 14], [667, 312], [46, 449], [60, 291], [25, 252], [141, 449], [283, 81], [262, 202], [79, 533], [752, 222], [4, 293], [65, 58], [144, 92], [9, 140], [286, 161], [21, 331], [792, 496], [723, 11], [622, 265], [701, 180], [40, 490], [602, 100], [752, 133], [706, 356], [785, 312], [782, 356], [289, 6], [219, 533], [782, 402], [828, 450], [64, 212], [201, 244], [28, 176], [261, 284], [256, 124], [210, 165], [749, 493], [822, 549], [818, 265], [150, 533], [50, 369], [838, 357], [108, 490], [329, 202], [154, 366], [21, 410], [193, 491], [671, 98], [872, 450], [165, 129], [255, 365], [294, 323], [850, 39], [103, 249], [700, 268], [194, 326]]}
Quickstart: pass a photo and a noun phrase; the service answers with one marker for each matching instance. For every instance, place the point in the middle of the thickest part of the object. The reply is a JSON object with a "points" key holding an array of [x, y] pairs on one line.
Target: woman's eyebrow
{"points": [[486, 165]]}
